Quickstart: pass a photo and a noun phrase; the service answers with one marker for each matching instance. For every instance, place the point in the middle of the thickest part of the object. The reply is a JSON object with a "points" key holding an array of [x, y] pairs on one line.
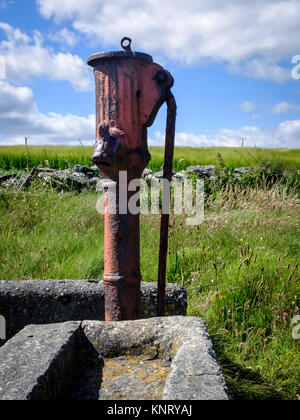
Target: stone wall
{"points": [[82, 177]]}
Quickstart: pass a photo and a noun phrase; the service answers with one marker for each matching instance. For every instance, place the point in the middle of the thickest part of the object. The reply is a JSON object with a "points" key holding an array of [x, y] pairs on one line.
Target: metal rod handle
{"points": [[164, 228]]}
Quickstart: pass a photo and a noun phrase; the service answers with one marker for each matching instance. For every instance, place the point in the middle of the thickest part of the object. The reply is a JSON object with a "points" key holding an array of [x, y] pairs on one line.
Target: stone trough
{"points": [[168, 358]]}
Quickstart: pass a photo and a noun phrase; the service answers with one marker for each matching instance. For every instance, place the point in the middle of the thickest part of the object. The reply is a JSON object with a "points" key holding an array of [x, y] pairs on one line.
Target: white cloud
{"points": [[65, 37], [20, 117], [26, 57], [2, 68], [251, 38], [255, 117], [285, 135], [281, 108], [247, 107], [284, 108], [261, 68], [15, 101], [4, 4]]}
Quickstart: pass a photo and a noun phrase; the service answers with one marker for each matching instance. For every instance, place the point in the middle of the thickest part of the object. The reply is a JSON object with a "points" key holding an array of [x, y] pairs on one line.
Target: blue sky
{"points": [[231, 60]]}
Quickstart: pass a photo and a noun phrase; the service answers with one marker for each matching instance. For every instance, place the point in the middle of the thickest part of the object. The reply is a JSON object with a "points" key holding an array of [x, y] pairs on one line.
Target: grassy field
{"points": [[61, 157], [240, 267]]}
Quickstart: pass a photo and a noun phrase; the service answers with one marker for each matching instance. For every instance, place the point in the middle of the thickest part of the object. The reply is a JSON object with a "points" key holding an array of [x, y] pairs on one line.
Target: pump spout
{"points": [[106, 146]]}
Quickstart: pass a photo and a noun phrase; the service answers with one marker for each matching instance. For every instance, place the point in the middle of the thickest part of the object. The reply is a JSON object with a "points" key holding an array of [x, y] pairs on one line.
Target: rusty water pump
{"points": [[130, 89]]}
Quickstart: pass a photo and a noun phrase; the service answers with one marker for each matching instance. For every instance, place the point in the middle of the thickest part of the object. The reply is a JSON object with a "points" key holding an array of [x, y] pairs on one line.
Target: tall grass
{"points": [[57, 157], [61, 157], [240, 268], [232, 157]]}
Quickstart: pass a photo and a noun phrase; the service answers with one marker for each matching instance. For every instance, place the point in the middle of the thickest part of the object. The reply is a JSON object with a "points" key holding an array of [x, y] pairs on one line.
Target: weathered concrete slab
{"points": [[195, 372], [160, 358], [38, 363], [182, 341], [52, 301]]}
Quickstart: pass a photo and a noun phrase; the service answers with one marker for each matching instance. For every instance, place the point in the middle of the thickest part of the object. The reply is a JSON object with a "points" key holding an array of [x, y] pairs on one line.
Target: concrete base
{"points": [[52, 301], [154, 359]]}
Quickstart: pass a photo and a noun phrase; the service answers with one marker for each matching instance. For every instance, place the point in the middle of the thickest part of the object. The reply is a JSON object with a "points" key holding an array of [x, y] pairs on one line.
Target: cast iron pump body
{"points": [[130, 89]]}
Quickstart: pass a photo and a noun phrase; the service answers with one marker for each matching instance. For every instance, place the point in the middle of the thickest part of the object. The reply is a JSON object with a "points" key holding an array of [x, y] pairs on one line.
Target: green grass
{"points": [[61, 157], [232, 157], [57, 157], [50, 235], [240, 268]]}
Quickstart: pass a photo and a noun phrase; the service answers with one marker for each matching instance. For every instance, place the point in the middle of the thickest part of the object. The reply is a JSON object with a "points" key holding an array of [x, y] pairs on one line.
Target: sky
{"points": [[236, 66]]}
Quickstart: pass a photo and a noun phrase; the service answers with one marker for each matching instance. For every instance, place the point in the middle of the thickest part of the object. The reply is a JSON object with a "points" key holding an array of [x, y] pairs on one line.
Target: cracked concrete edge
{"points": [[38, 363], [53, 301], [194, 372]]}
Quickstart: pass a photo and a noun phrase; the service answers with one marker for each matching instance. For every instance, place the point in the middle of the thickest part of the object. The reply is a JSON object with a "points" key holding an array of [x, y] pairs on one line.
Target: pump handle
{"points": [[164, 228]]}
